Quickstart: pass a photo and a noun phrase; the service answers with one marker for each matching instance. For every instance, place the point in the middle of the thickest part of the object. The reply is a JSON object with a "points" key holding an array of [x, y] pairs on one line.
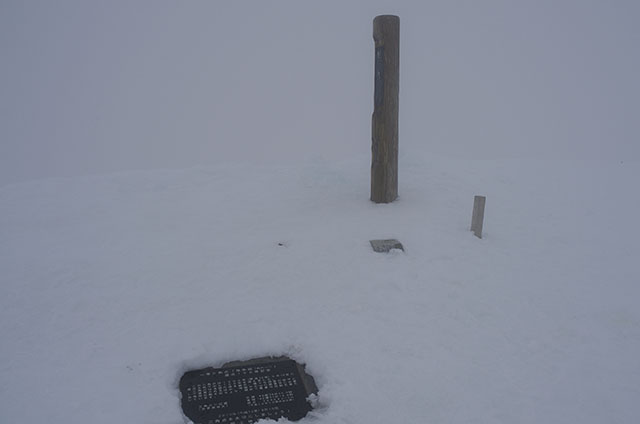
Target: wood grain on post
{"points": [[478, 215], [384, 125]]}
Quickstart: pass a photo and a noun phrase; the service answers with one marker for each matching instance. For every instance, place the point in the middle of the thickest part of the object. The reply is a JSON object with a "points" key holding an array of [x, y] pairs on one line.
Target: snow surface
{"points": [[112, 286]]}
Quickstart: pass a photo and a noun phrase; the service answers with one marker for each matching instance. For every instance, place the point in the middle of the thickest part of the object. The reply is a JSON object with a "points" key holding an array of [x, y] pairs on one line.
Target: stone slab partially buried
{"points": [[385, 246], [243, 392]]}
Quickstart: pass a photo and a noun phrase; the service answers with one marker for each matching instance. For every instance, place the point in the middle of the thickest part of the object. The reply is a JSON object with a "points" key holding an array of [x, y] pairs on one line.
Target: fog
{"points": [[94, 87]]}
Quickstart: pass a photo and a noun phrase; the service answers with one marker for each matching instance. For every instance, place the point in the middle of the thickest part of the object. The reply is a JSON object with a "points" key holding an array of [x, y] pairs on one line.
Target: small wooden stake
{"points": [[478, 215], [384, 125]]}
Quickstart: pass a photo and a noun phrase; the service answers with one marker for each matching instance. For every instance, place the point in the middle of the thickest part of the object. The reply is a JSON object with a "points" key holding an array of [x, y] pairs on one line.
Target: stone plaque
{"points": [[245, 392], [385, 246]]}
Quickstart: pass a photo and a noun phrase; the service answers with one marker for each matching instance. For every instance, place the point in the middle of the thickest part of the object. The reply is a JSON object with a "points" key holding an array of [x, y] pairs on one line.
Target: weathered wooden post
{"points": [[477, 217], [384, 125]]}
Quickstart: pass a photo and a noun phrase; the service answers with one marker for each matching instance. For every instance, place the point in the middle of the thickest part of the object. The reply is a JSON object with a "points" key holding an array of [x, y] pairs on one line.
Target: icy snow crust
{"points": [[113, 286]]}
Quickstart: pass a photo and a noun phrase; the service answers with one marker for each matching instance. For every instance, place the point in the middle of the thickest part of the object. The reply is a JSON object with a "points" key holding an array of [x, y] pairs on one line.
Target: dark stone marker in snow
{"points": [[244, 392], [477, 218], [384, 122], [385, 246]]}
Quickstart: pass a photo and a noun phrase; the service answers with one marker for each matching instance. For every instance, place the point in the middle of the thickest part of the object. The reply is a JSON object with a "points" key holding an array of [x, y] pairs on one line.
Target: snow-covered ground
{"points": [[112, 286]]}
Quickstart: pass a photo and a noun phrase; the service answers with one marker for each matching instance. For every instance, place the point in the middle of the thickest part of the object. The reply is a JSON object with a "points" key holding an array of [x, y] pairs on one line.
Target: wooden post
{"points": [[384, 125], [478, 215]]}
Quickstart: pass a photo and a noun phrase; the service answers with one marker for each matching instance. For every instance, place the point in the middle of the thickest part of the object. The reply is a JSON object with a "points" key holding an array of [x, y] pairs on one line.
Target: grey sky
{"points": [[94, 86]]}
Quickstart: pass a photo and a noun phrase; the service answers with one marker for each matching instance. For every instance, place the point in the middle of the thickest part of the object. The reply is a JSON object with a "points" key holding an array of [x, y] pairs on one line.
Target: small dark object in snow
{"points": [[477, 216], [243, 392], [385, 246]]}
